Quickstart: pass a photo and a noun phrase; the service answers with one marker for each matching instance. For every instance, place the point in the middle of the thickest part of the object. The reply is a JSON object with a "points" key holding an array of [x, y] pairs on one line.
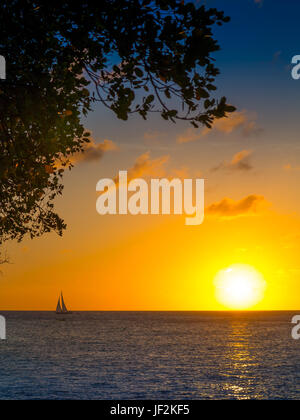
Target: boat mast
{"points": [[63, 306], [58, 307]]}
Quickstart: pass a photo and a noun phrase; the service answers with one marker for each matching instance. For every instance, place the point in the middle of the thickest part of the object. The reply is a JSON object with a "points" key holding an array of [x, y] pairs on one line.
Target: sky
{"points": [[250, 164]]}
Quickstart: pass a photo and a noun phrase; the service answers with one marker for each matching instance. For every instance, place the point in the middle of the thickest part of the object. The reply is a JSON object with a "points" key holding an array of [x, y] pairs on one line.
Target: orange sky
{"points": [[155, 262], [250, 163]]}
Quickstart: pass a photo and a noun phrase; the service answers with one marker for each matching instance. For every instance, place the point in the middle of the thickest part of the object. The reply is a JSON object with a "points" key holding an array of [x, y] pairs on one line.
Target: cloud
{"points": [[184, 172], [290, 168], [228, 124], [191, 134], [237, 120], [145, 166], [92, 152], [239, 162], [252, 204]]}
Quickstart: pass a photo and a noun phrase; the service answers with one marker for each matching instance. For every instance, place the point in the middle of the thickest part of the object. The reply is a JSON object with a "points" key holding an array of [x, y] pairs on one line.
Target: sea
{"points": [[149, 355]]}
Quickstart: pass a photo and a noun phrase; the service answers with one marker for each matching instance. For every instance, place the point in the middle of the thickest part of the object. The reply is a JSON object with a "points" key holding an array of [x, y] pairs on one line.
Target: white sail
{"points": [[63, 306], [58, 307]]}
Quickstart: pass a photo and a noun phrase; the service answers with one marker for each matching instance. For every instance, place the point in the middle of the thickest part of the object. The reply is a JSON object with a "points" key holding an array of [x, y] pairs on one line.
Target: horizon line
{"points": [[155, 310]]}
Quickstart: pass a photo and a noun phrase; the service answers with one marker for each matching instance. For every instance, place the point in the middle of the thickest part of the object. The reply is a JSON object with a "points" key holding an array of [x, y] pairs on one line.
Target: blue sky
{"points": [[256, 50]]}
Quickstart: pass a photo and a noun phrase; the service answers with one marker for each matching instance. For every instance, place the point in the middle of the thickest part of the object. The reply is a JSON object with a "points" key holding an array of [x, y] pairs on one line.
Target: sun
{"points": [[239, 286]]}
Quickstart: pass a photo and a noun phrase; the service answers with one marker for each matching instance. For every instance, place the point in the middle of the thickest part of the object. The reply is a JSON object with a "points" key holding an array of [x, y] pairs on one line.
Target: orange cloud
{"points": [[226, 125], [289, 167], [227, 207], [94, 151], [180, 173], [191, 134], [91, 153], [240, 162], [184, 172], [145, 166]]}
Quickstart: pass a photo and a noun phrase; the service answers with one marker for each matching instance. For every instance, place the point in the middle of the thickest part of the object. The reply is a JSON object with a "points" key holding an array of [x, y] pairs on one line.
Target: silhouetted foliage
{"points": [[61, 57]]}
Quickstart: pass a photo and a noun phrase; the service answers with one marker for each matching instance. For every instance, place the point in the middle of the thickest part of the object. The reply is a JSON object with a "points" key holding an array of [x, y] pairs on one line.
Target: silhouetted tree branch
{"points": [[62, 56]]}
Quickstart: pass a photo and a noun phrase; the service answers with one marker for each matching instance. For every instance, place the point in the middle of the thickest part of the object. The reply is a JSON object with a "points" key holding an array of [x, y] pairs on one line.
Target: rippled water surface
{"points": [[149, 355]]}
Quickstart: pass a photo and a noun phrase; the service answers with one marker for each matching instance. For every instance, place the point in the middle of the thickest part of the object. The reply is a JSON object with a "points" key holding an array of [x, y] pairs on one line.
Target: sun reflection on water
{"points": [[241, 362]]}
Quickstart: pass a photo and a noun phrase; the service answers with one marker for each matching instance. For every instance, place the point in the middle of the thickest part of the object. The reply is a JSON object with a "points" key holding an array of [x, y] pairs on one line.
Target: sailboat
{"points": [[61, 308]]}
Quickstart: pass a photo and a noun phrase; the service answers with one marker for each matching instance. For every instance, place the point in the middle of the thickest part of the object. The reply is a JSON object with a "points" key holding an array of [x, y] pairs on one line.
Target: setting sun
{"points": [[239, 286]]}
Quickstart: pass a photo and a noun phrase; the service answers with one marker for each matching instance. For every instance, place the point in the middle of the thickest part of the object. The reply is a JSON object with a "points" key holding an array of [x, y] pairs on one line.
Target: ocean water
{"points": [[149, 355]]}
